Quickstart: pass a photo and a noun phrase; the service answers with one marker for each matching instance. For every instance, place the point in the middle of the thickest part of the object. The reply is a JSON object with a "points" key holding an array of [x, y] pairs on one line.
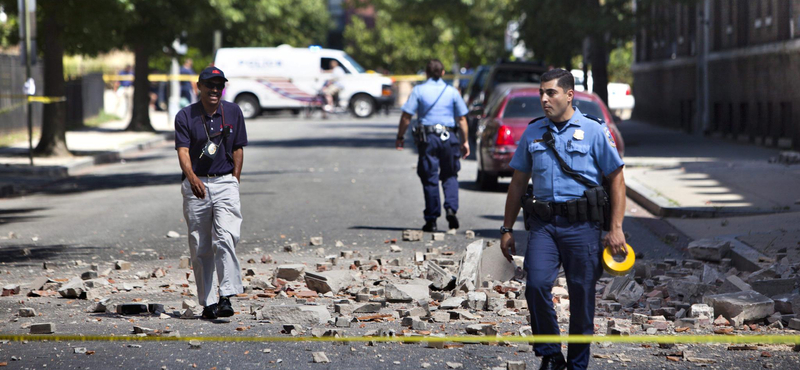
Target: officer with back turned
{"points": [[566, 155], [437, 105]]}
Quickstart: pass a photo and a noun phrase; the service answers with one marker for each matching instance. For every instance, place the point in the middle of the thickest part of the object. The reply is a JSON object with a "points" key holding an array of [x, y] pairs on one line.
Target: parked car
{"points": [[620, 96], [486, 79], [285, 77], [507, 116]]}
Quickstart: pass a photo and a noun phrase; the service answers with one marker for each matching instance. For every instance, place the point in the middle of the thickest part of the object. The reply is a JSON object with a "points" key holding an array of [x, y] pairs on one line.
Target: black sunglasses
{"points": [[212, 85]]}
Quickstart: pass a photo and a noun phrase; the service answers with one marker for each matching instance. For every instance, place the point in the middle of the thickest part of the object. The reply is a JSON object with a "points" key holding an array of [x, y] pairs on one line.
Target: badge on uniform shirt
{"points": [[578, 135], [609, 137]]}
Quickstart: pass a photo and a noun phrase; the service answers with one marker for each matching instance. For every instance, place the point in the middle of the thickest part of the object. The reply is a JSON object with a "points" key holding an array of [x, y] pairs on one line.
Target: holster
{"points": [[419, 135]]}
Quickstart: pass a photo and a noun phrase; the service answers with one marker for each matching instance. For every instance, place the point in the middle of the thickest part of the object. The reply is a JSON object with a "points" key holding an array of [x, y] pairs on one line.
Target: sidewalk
{"points": [[90, 146], [715, 188]]}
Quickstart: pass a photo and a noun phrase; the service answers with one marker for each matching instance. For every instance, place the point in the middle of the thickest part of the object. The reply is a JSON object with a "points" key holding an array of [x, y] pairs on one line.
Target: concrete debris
{"points": [[469, 234], [291, 247], [329, 281], [185, 262], [741, 306], [412, 235], [709, 249], [320, 358], [290, 272], [27, 312], [624, 290], [122, 265], [43, 328], [11, 289], [316, 241], [794, 324], [173, 234], [772, 287], [481, 329], [131, 308], [733, 284], [494, 266], [370, 307], [440, 278], [787, 303], [454, 365], [296, 314], [408, 292], [515, 365], [470, 265], [438, 237], [74, 288], [88, 275]]}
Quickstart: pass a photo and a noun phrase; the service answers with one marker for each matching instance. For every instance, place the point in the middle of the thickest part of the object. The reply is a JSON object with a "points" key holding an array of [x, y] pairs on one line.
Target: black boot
{"points": [[224, 309], [210, 312], [430, 226], [553, 362], [452, 220]]}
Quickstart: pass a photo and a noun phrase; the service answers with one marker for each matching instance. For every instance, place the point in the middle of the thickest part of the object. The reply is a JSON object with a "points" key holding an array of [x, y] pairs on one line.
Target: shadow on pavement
{"points": [[13, 215], [38, 253], [382, 228], [109, 182], [386, 142]]}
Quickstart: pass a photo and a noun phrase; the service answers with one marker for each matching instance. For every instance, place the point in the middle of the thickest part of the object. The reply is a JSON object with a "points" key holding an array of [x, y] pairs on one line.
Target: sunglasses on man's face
{"points": [[212, 85]]}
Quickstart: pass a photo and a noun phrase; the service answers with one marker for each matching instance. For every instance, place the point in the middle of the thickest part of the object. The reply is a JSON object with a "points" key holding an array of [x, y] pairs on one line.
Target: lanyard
{"points": [[203, 116]]}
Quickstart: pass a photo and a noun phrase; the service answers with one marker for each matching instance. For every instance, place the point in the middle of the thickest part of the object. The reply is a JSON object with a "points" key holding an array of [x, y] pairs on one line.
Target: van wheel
{"points": [[249, 106], [362, 106], [486, 181]]}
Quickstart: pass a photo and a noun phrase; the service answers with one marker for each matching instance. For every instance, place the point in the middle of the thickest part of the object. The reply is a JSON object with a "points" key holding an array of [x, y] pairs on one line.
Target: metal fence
{"points": [[13, 117]]}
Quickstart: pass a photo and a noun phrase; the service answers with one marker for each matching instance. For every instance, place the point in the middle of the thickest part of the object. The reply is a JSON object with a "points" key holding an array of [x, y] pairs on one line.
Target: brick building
{"points": [[722, 67]]}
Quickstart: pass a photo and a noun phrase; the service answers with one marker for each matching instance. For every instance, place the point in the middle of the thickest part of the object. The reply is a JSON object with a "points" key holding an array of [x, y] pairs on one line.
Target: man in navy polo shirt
{"points": [[210, 136]]}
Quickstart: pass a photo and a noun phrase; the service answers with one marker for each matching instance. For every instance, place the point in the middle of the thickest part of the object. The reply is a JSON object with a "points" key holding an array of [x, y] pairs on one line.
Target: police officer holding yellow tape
{"points": [[566, 155], [437, 105]]}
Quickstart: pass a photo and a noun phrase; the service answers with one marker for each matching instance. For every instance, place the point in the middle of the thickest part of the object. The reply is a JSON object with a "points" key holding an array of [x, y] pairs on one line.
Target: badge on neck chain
{"points": [[210, 150]]}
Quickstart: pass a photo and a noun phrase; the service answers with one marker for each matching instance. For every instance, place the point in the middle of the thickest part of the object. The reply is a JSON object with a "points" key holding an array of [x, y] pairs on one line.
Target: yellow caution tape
{"points": [[46, 99], [33, 99], [12, 107], [618, 268], [419, 77], [152, 78], [577, 338]]}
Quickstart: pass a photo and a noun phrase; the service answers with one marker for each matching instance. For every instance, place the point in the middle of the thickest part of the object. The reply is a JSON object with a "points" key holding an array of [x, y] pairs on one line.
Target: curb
{"points": [[661, 206], [58, 172]]}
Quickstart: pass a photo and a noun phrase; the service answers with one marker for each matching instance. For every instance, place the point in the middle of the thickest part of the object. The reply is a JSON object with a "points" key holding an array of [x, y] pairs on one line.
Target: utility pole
{"points": [[702, 117], [30, 87]]}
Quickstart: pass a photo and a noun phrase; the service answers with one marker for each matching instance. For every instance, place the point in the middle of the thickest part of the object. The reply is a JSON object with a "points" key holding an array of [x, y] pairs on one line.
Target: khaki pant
{"points": [[214, 227]]}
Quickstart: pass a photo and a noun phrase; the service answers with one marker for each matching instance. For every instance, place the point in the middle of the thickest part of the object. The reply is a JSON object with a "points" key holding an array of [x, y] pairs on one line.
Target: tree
{"points": [[65, 27], [272, 22], [555, 29], [408, 33]]}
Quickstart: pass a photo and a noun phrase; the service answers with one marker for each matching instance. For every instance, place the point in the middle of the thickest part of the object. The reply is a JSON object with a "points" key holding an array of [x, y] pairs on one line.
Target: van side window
{"points": [[325, 64]]}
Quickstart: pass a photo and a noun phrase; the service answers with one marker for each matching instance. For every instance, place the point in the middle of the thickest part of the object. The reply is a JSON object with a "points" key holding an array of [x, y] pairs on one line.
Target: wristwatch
{"points": [[504, 230]]}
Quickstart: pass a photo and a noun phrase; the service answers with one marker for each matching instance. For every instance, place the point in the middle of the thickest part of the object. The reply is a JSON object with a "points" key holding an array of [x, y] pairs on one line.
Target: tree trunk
{"points": [[54, 121], [600, 65], [140, 119]]}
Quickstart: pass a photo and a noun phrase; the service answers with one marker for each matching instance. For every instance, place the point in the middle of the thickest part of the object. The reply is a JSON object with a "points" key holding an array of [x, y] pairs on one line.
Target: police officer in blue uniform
{"points": [[560, 234], [441, 142]]}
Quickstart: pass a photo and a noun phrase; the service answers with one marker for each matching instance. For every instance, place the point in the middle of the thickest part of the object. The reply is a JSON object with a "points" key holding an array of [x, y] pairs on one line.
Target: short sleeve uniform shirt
{"points": [[585, 145], [430, 111]]}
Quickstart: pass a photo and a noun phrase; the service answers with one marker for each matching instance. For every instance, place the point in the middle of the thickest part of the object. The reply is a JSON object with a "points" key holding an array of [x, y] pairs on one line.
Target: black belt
{"points": [[559, 209], [215, 174], [432, 129]]}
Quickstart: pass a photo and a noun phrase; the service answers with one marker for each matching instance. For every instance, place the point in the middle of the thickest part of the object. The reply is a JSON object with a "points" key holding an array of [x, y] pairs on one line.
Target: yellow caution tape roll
{"points": [[618, 268]]}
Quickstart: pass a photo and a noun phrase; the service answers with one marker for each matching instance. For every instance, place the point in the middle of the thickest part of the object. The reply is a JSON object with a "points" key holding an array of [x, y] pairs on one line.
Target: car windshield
{"points": [[355, 64], [523, 107], [516, 75], [531, 106], [589, 107]]}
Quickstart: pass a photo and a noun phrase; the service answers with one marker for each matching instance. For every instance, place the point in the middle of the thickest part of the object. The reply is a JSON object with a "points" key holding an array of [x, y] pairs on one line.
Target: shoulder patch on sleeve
{"points": [[537, 119], [596, 119], [609, 137]]}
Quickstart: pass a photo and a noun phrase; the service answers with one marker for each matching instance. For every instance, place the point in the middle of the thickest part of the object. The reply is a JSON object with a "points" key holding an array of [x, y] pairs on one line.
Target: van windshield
{"points": [[355, 64]]}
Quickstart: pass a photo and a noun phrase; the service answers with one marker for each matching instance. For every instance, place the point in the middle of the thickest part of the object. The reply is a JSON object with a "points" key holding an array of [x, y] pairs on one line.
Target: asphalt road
{"points": [[341, 179]]}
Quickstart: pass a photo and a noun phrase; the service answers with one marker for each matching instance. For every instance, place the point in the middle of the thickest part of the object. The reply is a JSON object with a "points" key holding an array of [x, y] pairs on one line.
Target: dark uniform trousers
{"points": [[439, 161], [576, 246]]}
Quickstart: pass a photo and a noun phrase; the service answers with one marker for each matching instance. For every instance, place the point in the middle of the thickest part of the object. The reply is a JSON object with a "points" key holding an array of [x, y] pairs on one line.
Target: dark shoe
{"points": [[210, 312], [430, 226], [553, 362], [452, 220], [225, 309]]}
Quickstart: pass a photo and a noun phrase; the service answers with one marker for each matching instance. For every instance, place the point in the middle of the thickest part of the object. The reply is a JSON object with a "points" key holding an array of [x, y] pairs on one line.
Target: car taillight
{"points": [[386, 90], [628, 91], [504, 136]]}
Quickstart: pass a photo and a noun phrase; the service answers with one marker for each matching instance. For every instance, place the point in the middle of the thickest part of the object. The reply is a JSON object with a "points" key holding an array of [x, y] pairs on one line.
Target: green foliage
{"points": [[619, 64], [409, 33], [270, 22]]}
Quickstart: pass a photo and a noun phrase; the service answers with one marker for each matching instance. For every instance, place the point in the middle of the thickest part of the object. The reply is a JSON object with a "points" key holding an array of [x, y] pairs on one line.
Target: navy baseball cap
{"points": [[211, 72]]}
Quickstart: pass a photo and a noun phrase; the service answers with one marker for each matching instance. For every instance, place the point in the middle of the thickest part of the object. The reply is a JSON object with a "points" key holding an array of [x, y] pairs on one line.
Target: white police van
{"points": [[286, 77]]}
